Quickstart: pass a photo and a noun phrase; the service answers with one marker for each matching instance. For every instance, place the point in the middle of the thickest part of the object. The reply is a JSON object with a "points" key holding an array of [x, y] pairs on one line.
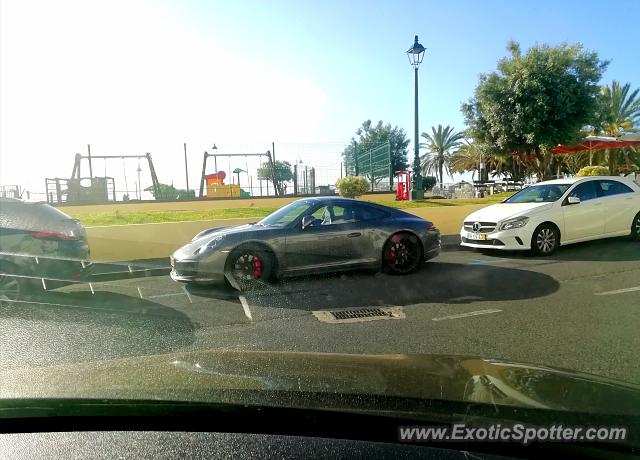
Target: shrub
{"points": [[593, 171], [352, 186]]}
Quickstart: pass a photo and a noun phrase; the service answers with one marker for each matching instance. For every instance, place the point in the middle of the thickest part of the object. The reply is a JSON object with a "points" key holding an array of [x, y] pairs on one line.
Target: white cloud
{"points": [[128, 77]]}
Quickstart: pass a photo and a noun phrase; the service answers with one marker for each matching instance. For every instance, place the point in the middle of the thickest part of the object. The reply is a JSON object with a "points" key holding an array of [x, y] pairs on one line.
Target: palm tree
{"points": [[620, 114], [439, 145], [467, 157]]}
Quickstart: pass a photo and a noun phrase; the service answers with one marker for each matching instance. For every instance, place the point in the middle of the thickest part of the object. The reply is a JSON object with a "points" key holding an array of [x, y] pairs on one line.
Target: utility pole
{"points": [[90, 166], [186, 166]]}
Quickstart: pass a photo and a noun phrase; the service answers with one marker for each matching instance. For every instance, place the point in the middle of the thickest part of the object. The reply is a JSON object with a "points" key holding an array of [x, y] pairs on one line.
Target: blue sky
{"points": [[354, 50], [136, 76]]}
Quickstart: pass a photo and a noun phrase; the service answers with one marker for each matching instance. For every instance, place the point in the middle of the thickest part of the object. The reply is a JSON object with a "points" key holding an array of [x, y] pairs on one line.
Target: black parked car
{"points": [[40, 248]]}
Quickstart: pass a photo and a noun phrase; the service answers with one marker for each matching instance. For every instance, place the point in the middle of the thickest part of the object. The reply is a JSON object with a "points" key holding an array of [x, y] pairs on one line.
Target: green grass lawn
{"points": [[149, 217]]}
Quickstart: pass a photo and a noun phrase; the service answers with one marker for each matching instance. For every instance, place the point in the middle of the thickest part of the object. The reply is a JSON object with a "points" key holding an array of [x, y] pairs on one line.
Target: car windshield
{"points": [[543, 193], [287, 214], [425, 204]]}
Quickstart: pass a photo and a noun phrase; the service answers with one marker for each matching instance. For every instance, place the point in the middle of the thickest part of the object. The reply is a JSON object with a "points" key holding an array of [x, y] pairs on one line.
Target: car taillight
{"points": [[55, 235], [431, 227]]}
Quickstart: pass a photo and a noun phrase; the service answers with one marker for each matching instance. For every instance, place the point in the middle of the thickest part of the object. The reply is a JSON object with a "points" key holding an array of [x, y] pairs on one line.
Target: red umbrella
{"points": [[591, 143]]}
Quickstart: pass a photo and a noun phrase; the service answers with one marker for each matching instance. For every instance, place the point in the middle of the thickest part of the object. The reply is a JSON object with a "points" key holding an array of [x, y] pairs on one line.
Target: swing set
{"points": [[96, 189], [215, 182]]}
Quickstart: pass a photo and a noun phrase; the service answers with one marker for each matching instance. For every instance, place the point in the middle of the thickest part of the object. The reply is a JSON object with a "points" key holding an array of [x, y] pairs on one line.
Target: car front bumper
{"points": [[518, 239], [208, 270]]}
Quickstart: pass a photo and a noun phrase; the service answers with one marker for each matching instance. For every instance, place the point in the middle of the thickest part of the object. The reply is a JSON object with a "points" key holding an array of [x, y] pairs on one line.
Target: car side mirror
{"points": [[573, 200], [307, 221]]}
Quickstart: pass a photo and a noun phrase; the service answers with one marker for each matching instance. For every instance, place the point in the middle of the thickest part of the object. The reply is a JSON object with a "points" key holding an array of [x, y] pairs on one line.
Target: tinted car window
{"points": [[287, 214], [369, 213], [335, 215], [320, 212], [539, 193], [585, 191], [345, 214], [613, 187]]}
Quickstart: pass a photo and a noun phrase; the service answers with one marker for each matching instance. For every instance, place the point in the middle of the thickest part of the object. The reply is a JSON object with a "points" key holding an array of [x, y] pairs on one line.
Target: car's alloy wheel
{"points": [[635, 228], [402, 253], [249, 267], [545, 240], [10, 288]]}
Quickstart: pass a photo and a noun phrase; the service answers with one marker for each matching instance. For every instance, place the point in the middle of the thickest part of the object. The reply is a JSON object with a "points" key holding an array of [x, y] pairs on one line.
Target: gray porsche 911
{"points": [[308, 236]]}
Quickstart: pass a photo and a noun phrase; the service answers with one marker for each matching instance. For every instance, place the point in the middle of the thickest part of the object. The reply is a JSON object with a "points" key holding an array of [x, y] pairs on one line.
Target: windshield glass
{"points": [[434, 146], [286, 215], [544, 193]]}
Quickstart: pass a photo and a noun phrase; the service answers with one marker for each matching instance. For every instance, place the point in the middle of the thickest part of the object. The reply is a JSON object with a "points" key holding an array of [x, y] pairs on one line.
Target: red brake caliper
{"points": [[393, 254], [257, 267]]}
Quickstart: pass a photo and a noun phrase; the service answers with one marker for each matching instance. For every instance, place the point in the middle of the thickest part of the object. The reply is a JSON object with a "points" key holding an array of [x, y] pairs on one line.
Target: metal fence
{"points": [[10, 191], [373, 163], [315, 168]]}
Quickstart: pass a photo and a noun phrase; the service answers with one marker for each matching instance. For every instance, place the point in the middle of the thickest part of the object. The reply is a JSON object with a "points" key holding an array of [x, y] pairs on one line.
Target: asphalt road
{"points": [[578, 310]]}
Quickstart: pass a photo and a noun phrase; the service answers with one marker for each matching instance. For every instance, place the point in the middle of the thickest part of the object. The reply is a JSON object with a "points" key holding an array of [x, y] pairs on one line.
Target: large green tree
{"points": [[369, 136], [439, 145], [535, 101], [279, 174]]}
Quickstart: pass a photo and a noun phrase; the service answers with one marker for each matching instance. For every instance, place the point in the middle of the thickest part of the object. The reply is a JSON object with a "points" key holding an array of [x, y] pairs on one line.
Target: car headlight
{"points": [[517, 222], [209, 245]]}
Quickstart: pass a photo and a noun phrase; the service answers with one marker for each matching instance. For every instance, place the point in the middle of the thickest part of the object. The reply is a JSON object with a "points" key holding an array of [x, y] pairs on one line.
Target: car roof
{"points": [[323, 199], [573, 180]]}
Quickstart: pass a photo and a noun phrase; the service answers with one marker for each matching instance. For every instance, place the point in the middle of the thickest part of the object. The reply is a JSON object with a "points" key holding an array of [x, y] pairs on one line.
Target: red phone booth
{"points": [[403, 179]]}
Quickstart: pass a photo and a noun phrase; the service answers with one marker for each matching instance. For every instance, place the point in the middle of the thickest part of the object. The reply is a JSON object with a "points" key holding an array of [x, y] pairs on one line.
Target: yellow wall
{"points": [[145, 241], [196, 205], [177, 205]]}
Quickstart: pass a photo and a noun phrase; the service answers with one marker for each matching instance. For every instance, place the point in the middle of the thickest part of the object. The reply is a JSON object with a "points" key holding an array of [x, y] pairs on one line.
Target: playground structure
{"points": [[218, 189], [215, 182], [403, 179], [302, 169], [95, 189]]}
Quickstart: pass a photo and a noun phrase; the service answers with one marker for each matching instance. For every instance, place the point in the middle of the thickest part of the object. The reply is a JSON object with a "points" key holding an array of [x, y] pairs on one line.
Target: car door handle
{"points": [[354, 234]]}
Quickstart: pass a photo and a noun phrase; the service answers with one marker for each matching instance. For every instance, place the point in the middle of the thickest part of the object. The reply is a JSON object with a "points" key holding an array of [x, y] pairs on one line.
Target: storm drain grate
{"points": [[359, 314], [363, 313]]}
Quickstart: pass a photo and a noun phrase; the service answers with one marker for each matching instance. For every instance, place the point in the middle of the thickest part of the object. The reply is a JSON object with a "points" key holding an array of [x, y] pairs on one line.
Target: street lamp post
{"points": [[415, 54]]}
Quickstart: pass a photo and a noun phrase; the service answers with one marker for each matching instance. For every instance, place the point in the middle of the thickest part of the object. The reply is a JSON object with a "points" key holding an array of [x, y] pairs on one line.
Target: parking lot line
{"points": [[465, 315], [485, 261], [184, 289], [245, 307], [171, 294], [619, 291]]}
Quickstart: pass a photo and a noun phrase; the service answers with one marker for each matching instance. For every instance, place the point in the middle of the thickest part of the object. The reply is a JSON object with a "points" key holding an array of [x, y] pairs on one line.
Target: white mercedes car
{"points": [[550, 214]]}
